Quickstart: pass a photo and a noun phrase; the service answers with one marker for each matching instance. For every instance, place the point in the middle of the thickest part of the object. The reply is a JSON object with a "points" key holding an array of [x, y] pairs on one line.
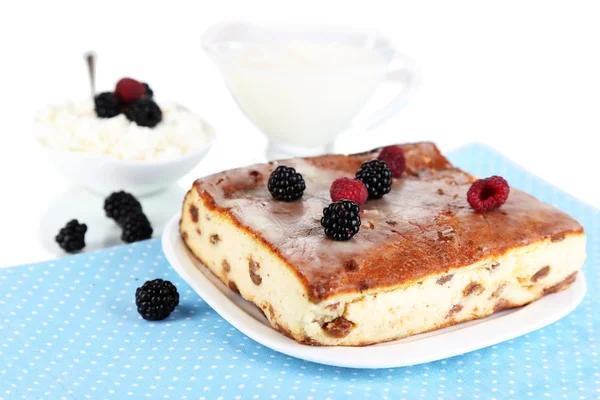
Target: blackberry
{"points": [[71, 238], [286, 184], [144, 112], [120, 204], [156, 299], [149, 92], [136, 227], [341, 220], [107, 105], [377, 177]]}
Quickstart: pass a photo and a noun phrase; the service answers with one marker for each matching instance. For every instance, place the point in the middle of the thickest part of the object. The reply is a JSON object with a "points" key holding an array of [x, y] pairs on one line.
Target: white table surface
{"points": [[523, 77]]}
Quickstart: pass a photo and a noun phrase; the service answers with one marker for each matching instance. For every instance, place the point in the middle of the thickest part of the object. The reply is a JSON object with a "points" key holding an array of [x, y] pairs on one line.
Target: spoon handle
{"points": [[90, 59]]}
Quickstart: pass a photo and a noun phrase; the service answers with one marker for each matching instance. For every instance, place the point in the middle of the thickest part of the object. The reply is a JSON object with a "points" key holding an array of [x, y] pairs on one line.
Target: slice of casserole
{"points": [[423, 259]]}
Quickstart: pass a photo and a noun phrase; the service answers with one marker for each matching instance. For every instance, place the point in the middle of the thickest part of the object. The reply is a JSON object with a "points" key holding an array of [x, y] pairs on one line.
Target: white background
{"points": [[522, 76]]}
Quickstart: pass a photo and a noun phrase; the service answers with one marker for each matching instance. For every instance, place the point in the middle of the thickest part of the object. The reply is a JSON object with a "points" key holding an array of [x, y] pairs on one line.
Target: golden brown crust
{"points": [[424, 227]]}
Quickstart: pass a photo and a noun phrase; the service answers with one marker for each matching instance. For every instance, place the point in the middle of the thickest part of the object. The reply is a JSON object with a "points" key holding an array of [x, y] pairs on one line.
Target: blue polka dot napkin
{"points": [[69, 330]]}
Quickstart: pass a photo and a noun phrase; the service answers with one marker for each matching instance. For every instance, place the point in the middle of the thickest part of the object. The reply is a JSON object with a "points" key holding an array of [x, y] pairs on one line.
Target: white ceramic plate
{"points": [[432, 346]]}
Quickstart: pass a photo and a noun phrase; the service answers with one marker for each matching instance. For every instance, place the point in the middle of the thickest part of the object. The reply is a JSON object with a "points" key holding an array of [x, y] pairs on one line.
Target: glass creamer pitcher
{"points": [[303, 85]]}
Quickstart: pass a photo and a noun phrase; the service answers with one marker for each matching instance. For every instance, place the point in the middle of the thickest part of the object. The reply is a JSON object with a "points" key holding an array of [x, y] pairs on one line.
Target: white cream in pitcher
{"points": [[303, 94]]}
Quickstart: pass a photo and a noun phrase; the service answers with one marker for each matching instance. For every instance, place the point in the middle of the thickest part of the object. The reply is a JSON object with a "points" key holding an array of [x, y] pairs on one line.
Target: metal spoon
{"points": [[90, 58]]}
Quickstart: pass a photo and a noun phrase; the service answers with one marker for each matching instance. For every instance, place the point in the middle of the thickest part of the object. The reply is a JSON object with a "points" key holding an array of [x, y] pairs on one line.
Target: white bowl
{"points": [[105, 174]]}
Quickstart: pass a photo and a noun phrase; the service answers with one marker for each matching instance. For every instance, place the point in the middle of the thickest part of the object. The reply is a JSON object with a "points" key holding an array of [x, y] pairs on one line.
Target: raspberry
{"points": [[487, 194], [349, 189], [129, 90], [394, 158]]}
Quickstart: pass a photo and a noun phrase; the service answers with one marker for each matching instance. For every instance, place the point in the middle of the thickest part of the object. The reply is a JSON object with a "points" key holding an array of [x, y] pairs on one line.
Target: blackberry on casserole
{"points": [[377, 177], [341, 220], [71, 238], [286, 184], [156, 299]]}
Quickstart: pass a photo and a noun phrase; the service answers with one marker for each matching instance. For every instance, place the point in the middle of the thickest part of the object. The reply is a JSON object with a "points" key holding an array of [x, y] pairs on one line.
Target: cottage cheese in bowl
{"points": [[74, 127], [106, 155]]}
